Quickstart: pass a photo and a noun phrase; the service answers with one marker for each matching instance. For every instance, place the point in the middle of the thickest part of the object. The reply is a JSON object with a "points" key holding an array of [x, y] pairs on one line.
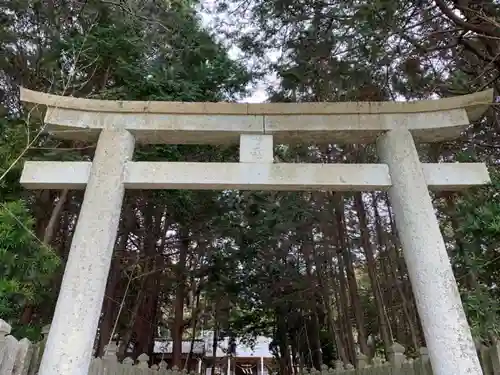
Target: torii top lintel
{"points": [[157, 122]]}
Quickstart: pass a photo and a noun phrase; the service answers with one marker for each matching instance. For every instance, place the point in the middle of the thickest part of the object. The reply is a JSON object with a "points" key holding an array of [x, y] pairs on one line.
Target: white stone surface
{"points": [[158, 128], [447, 333], [364, 128], [56, 175], [222, 123], [23, 357], [5, 328], [8, 359], [256, 148], [219, 176], [161, 128], [74, 325], [257, 176], [455, 176]]}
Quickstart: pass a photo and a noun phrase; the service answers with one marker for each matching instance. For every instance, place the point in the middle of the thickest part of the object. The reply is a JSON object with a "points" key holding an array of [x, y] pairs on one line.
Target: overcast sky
{"points": [[258, 94]]}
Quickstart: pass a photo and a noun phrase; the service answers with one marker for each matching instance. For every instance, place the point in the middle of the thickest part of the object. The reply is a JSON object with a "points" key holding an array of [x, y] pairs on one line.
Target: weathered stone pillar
{"points": [[74, 325], [445, 326]]}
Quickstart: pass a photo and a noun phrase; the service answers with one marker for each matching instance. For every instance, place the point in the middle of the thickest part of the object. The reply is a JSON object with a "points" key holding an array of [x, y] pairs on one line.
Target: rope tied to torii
{"points": [[247, 368]]}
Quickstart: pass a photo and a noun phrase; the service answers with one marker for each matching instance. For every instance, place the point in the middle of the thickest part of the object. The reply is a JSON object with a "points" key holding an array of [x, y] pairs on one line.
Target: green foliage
{"points": [[26, 265], [483, 312], [13, 140], [479, 230], [480, 213]]}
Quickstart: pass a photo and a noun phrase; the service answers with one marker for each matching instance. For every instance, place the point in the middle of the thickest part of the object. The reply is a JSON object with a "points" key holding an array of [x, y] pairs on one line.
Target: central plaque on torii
{"points": [[393, 126]]}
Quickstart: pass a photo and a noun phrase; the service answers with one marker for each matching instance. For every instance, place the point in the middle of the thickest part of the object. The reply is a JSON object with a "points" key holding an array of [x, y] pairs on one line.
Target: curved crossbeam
{"points": [[223, 123]]}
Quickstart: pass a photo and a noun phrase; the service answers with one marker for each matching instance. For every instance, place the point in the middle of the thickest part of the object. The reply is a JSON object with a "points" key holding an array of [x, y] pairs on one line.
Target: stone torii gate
{"points": [[394, 126]]}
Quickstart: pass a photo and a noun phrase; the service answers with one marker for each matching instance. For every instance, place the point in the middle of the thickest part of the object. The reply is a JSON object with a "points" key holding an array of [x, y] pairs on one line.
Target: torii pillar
{"points": [[395, 127]]}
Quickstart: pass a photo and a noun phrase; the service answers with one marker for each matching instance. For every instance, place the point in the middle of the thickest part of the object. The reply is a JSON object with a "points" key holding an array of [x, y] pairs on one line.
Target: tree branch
{"points": [[459, 21]]}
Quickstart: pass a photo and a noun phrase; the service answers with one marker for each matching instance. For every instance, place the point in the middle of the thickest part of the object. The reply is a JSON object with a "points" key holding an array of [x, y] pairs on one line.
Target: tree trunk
{"points": [[194, 318], [48, 235], [313, 335], [351, 277], [343, 307], [386, 271], [372, 271], [178, 326], [327, 303], [146, 326], [129, 329], [282, 337], [108, 312], [215, 338], [399, 279], [109, 305]]}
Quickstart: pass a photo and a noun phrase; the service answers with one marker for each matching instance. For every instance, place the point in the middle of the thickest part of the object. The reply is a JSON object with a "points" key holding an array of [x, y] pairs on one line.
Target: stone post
{"points": [[110, 351], [73, 329], [109, 360], [424, 354], [5, 329], [397, 355], [494, 355], [143, 360], [445, 326], [339, 365], [361, 360]]}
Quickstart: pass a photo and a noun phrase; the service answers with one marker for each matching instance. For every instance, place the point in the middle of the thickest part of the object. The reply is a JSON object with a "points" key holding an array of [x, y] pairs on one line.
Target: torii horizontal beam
{"points": [[223, 123], [252, 176]]}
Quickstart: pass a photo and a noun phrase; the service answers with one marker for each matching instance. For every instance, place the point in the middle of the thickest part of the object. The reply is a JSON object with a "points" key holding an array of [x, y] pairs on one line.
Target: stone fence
{"points": [[22, 357]]}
